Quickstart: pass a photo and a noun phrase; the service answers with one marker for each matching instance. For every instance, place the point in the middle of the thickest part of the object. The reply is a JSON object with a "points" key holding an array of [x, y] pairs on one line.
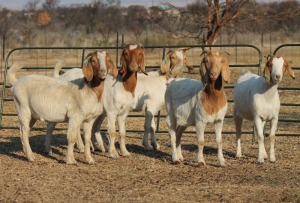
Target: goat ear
{"points": [[225, 71], [87, 71], [113, 70], [123, 69], [165, 63], [142, 64], [204, 75], [267, 72], [289, 69]]}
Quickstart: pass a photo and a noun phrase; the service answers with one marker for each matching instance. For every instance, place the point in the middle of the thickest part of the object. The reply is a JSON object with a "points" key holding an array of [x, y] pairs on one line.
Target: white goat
{"points": [[149, 92], [256, 98], [118, 96], [192, 103], [72, 75], [39, 97]]}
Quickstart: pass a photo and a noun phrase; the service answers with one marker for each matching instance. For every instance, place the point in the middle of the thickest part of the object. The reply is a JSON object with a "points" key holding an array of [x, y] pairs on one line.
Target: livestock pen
{"points": [[241, 58], [149, 176]]}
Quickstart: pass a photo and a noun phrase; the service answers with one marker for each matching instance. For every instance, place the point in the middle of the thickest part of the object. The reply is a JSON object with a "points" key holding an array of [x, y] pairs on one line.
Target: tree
{"points": [[43, 20], [204, 20], [135, 20], [32, 5], [50, 5], [110, 21]]}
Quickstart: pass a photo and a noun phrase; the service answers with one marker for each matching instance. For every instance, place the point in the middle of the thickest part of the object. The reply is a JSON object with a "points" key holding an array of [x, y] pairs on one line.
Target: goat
{"points": [[193, 103], [71, 75], [256, 98], [39, 97], [148, 92], [118, 96]]}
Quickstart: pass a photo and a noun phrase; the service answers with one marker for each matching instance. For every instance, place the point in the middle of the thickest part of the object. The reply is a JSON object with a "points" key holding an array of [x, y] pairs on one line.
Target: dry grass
{"points": [[149, 176]]}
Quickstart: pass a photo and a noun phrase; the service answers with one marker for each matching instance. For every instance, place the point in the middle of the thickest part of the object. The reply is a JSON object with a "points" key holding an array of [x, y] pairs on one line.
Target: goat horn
{"points": [[141, 45], [89, 55], [269, 56]]}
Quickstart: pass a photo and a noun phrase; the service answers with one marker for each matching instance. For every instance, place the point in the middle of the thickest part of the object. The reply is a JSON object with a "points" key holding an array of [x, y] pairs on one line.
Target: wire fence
{"points": [[241, 58]]}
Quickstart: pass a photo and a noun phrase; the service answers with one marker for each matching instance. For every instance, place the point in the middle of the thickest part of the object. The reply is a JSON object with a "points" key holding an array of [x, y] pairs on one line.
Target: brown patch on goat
{"points": [[99, 90], [267, 71], [130, 83], [92, 65], [91, 71], [111, 68], [213, 99], [171, 60], [132, 60], [288, 68], [214, 69]]}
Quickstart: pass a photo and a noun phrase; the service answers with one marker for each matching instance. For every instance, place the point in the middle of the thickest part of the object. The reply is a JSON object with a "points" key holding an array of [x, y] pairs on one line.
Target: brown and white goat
{"points": [[118, 96], [39, 97], [193, 103], [256, 98]]}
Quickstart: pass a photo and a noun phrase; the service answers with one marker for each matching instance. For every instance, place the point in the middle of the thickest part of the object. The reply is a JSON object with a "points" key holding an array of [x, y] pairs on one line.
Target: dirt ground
{"points": [[148, 176]]}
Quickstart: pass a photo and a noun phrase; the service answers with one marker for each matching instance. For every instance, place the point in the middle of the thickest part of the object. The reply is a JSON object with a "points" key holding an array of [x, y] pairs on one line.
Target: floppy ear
{"points": [[225, 71], [87, 71], [203, 74], [289, 69], [123, 69], [267, 71], [142, 63], [112, 69], [165, 63]]}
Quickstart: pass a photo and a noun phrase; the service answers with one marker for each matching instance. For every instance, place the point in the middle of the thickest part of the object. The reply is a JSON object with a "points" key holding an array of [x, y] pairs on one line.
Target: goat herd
{"points": [[84, 97]]}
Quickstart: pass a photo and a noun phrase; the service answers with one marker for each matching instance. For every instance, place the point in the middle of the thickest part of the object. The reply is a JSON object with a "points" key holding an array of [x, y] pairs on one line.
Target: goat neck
{"points": [[130, 81], [99, 89], [213, 96]]}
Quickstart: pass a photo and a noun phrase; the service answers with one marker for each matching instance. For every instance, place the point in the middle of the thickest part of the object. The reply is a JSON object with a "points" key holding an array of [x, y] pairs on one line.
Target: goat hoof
{"points": [[125, 154], [178, 162], [273, 160], [114, 155], [201, 165], [148, 147], [156, 146], [260, 161], [222, 164], [92, 162], [31, 159], [71, 162]]}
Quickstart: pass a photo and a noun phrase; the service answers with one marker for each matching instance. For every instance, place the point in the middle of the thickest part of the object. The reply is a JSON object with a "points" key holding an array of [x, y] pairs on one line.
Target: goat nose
{"points": [[212, 75], [277, 77], [101, 71]]}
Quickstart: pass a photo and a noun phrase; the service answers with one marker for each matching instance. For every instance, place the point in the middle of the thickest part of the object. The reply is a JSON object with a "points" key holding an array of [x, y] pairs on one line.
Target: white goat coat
{"points": [[183, 101], [185, 108], [54, 100], [253, 98], [44, 98], [149, 91]]}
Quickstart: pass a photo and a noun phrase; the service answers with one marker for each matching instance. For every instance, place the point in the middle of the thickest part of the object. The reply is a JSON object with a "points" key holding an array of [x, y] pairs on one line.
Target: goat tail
{"points": [[11, 73], [57, 69]]}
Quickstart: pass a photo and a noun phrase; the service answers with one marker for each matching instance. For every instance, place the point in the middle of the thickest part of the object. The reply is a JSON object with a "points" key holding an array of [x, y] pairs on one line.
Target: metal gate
{"points": [[41, 60]]}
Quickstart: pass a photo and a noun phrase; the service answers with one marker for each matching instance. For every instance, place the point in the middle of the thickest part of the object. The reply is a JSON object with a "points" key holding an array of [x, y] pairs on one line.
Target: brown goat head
{"points": [[274, 69], [214, 65], [174, 62], [98, 64], [132, 59]]}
